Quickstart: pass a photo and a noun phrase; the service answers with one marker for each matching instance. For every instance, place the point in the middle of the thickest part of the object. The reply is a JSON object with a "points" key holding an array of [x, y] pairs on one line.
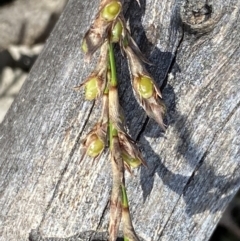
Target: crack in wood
{"points": [[103, 214]]}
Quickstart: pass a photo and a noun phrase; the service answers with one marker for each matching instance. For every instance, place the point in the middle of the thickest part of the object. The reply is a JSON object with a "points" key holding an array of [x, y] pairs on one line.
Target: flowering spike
{"points": [[110, 27]]}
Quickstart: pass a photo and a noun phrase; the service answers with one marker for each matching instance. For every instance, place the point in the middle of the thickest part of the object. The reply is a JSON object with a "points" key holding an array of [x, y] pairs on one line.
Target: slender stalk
{"points": [[125, 205], [113, 80], [112, 133], [113, 83], [110, 27], [124, 197], [116, 161], [119, 194], [128, 230]]}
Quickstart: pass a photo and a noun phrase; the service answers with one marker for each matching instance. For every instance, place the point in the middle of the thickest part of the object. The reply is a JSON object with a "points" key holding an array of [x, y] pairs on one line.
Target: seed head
{"points": [[130, 161], [95, 141], [91, 89], [117, 32], [95, 147], [111, 11], [145, 87], [94, 86], [96, 82]]}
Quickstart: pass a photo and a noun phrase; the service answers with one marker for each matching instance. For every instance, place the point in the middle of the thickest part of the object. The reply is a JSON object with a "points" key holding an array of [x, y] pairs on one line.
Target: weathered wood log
{"points": [[193, 169]]}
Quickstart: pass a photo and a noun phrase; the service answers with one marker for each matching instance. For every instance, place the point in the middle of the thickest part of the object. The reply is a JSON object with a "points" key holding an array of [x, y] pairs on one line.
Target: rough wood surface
{"points": [[193, 170]]}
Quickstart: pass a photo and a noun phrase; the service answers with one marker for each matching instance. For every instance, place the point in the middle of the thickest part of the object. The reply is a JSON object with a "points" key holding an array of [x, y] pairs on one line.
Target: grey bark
{"points": [[193, 169]]}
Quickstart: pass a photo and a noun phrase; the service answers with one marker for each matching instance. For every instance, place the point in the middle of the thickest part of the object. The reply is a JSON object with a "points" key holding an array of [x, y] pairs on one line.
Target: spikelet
{"points": [[103, 23], [96, 82], [145, 89]]}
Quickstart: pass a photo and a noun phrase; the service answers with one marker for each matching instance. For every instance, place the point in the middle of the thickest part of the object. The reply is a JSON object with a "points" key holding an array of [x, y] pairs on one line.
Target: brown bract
{"points": [[115, 109], [99, 131], [100, 71], [116, 195], [128, 229], [128, 146], [98, 33]]}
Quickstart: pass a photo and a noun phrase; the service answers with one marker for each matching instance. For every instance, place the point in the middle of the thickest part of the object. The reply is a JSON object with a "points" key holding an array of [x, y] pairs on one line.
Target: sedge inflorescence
{"points": [[108, 28]]}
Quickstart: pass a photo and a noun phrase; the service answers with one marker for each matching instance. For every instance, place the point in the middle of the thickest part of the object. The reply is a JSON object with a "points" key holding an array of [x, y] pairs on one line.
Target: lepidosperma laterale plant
{"points": [[109, 28]]}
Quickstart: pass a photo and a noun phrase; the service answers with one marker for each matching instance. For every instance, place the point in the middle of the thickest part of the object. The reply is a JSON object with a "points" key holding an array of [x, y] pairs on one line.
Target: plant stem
{"points": [[124, 197], [113, 80], [112, 133], [119, 195]]}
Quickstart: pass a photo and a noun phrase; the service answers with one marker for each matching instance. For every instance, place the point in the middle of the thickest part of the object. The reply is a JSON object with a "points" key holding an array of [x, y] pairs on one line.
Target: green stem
{"points": [[119, 182], [112, 133], [113, 83], [124, 197], [125, 205], [113, 80]]}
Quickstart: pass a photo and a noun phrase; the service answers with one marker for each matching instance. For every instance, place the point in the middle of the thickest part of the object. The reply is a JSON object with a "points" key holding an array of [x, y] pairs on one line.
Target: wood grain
{"points": [[193, 172]]}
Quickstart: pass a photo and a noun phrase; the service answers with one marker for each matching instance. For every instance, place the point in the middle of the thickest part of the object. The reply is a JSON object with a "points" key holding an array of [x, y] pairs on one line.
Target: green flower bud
{"points": [[111, 10], [95, 147], [117, 32], [145, 87], [84, 46], [133, 162], [91, 88]]}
